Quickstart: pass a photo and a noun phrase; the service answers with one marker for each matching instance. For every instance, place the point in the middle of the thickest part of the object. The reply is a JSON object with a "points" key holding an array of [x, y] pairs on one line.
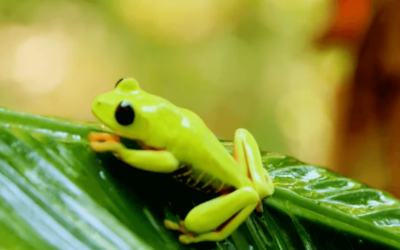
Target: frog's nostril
{"points": [[96, 104]]}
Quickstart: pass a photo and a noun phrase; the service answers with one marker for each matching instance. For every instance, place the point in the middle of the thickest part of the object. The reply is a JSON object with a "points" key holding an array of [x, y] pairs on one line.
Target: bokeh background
{"points": [[252, 64]]}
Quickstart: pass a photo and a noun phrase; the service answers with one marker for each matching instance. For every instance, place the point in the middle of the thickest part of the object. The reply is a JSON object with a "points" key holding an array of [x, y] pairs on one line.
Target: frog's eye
{"points": [[120, 80], [125, 114]]}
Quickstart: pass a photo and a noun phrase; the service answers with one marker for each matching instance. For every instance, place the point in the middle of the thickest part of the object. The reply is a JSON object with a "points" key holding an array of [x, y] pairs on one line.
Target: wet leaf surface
{"points": [[55, 193]]}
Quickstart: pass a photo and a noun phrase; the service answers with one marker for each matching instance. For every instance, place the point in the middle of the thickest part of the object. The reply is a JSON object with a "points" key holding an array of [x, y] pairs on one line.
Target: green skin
{"points": [[171, 137]]}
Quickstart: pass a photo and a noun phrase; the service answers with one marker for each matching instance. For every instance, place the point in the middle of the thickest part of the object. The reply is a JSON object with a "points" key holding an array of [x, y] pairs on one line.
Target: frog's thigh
{"points": [[210, 215], [247, 155]]}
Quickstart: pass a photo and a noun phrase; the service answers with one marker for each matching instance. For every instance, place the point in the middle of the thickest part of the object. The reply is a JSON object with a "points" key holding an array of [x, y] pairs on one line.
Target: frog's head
{"points": [[133, 113]]}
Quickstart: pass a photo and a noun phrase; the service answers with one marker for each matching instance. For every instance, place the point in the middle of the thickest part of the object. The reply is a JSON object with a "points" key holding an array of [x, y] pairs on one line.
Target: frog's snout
{"points": [[97, 104]]}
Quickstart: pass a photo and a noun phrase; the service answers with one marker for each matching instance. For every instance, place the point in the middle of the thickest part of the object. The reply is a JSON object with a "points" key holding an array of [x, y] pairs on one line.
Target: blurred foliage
{"points": [[236, 63]]}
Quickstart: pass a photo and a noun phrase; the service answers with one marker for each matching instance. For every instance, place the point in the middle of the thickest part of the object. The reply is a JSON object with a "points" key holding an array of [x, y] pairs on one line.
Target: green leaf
{"points": [[55, 193]]}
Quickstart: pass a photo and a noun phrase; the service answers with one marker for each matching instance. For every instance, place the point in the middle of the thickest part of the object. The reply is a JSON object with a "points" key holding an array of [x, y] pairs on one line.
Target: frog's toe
{"points": [[170, 225], [103, 146], [102, 137], [185, 239]]}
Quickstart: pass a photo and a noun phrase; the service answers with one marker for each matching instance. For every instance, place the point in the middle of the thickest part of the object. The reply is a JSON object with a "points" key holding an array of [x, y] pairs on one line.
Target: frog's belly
{"points": [[200, 180]]}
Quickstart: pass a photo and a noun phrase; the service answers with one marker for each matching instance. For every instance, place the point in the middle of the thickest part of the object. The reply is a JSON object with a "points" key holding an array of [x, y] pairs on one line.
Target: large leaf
{"points": [[57, 194]]}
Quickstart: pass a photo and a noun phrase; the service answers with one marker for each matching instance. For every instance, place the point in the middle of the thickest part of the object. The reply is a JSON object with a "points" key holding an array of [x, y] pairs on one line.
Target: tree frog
{"points": [[175, 141]]}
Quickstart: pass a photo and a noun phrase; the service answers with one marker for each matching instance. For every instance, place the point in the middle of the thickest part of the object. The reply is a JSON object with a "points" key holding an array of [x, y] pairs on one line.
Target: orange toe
{"points": [[102, 137]]}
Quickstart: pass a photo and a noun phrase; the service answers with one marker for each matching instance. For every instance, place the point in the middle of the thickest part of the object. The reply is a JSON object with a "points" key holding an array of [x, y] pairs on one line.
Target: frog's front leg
{"points": [[148, 160], [218, 218], [247, 155]]}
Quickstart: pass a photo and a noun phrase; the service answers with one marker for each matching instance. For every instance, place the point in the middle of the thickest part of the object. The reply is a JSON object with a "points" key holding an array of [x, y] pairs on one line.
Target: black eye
{"points": [[124, 113], [120, 80]]}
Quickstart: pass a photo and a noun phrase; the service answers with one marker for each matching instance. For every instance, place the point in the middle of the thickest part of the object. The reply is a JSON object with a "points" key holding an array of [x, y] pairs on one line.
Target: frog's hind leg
{"points": [[216, 219], [247, 154]]}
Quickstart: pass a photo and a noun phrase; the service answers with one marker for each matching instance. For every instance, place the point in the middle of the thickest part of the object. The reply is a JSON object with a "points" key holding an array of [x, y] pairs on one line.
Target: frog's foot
{"points": [[170, 225], [186, 239], [102, 137], [103, 142], [216, 219]]}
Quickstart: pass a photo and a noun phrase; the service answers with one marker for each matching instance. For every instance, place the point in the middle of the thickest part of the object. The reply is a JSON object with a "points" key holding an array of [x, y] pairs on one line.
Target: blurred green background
{"points": [[249, 64]]}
